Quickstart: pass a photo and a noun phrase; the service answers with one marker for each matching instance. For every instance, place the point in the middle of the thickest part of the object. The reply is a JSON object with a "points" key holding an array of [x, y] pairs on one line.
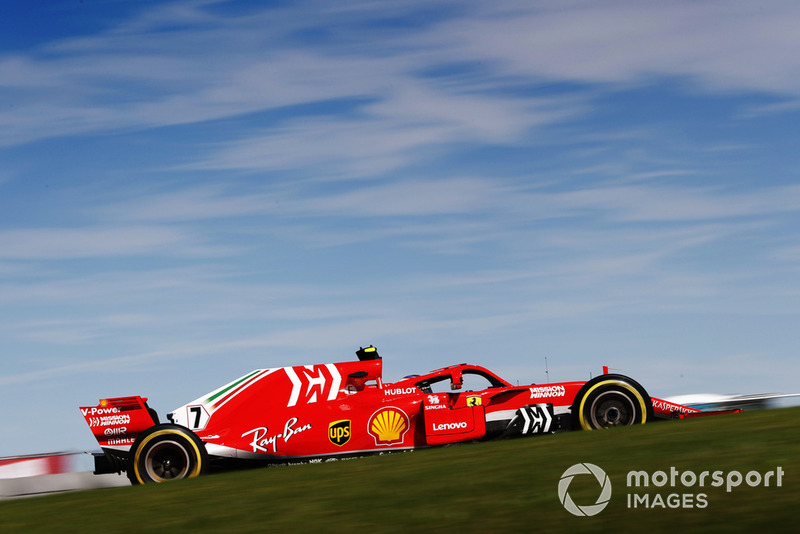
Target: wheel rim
{"points": [[612, 409], [167, 460]]}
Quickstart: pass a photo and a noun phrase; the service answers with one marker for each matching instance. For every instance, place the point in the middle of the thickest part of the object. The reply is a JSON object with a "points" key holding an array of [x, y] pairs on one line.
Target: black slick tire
{"points": [[166, 452], [611, 400]]}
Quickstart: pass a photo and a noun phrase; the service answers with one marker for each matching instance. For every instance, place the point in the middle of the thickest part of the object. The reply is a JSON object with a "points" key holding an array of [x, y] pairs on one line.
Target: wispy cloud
{"points": [[683, 204], [716, 45], [187, 204], [58, 243], [142, 74], [100, 242]]}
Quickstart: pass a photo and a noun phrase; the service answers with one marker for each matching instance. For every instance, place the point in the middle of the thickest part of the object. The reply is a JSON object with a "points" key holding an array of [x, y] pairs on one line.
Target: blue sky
{"points": [[190, 190]]}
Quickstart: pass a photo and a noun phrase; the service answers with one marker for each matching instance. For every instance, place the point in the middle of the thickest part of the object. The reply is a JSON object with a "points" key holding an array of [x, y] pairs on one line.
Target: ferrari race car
{"points": [[329, 410]]}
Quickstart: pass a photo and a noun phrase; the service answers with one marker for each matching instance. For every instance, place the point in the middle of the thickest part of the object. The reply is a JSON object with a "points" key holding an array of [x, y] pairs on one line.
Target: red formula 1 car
{"points": [[340, 409]]}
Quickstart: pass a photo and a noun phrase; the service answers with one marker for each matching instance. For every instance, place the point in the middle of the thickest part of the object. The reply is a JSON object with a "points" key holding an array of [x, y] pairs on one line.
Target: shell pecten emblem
{"points": [[388, 426]]}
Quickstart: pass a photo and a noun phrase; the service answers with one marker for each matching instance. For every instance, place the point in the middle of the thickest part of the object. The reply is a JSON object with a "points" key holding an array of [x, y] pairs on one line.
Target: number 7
{"points": [[196, 411]]}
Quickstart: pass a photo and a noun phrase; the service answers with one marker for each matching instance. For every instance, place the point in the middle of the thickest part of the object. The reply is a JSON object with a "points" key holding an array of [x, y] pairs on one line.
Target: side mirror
{"points": [[456, 381]]}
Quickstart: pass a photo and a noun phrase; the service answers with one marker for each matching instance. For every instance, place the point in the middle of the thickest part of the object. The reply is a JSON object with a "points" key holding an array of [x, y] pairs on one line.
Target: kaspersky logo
{"points": [[602, 480], [339, 432]]}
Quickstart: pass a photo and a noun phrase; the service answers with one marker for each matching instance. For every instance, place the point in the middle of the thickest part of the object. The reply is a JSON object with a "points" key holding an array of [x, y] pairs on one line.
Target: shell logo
{"points": [[388, 426]]}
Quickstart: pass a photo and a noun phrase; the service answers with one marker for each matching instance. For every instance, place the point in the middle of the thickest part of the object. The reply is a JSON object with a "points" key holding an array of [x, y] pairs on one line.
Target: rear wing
{"points": [[117, 422]]}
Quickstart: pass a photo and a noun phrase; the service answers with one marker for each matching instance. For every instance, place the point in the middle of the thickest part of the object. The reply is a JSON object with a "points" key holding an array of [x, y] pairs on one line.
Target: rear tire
{"points": [[611, 400], [166, 452]]}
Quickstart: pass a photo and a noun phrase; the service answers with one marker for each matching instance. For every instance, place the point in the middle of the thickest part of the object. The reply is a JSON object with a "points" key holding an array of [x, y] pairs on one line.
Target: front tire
{"points": [[166, 452], [611, 400]]}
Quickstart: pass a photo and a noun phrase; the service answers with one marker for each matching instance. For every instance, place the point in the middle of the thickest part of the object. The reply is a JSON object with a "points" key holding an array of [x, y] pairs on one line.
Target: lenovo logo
{"points": [[449, 426]]}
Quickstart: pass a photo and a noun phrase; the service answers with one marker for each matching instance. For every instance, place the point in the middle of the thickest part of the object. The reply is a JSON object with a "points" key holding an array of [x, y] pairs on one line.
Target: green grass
{"points": [[508, 486]]}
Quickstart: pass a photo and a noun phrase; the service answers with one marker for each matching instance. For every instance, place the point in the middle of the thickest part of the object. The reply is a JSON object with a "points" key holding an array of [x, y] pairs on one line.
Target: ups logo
{"points": [[339, 432]]}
